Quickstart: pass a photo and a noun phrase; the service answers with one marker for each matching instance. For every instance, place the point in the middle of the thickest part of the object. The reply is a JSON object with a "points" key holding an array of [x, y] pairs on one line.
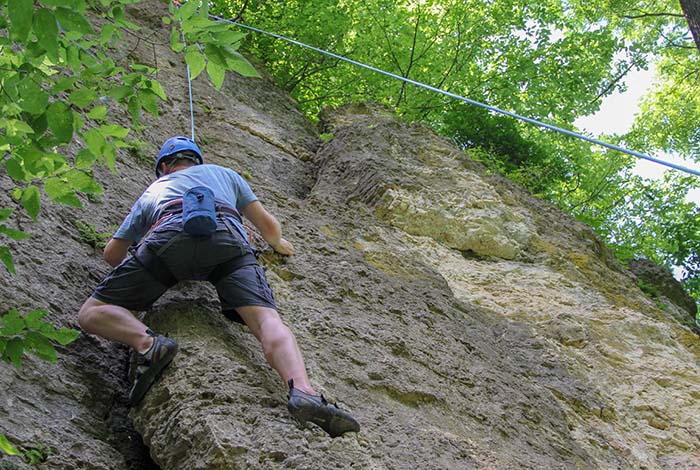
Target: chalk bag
{"points": [[199, 211]]}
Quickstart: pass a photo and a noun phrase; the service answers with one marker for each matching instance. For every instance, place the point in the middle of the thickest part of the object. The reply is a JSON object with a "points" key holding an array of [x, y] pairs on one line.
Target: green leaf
{"points": [[15, 127], [133, 79], [175, 43], [78, 121], [12, 323], [34, 321], [6, 258], [82, 98], [71, 20], [81, 181], [7, 447], [46, 31], [110, 156], [60, 121], [98, 113], [73, 59], [229, 37], [240, 65], [195, 60], [39, 124], [128, 25], [31, 201], [5, 214], [85, 159], [13, 352], [41, 346], [149, 102], [187, 10], [199, 27], [120, 92], [69, 199], [34, 99], [216, 74], [53, 162], [134, 107], [56, 188], [15, 170], [63, 85], [157, 88], [63, 336], [14, 234], [113, 130], [95, 141], [203, 10], [20, 13], [215, 54], [107, 33], [145, 69], [57, 3]]}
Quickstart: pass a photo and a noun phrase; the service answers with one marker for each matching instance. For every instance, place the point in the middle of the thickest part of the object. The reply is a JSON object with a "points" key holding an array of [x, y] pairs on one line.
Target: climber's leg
{"points": [[278, 343], [115, 323]]}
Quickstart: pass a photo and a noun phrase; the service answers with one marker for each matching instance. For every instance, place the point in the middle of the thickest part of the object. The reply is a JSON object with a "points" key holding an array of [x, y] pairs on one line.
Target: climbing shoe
{"points": [[150, 364], [306, 407]]}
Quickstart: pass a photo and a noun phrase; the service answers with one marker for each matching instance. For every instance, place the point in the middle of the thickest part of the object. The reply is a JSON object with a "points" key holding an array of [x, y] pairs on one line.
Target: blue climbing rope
{"points": [[189, 87], [189, 75], [466, 100]]}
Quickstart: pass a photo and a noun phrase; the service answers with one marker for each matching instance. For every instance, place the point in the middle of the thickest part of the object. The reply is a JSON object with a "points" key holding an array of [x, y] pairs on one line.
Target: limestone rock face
{"points": [[662, 284], [465, 324], [423, 191]]}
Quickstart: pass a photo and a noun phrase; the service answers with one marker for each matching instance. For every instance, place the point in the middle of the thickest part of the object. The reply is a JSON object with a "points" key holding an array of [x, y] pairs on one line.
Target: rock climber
{"points": [[187, 226]]}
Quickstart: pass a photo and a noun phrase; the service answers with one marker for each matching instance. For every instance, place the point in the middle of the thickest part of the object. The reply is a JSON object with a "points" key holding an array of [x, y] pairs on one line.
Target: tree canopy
{"points": [[552, 60]]}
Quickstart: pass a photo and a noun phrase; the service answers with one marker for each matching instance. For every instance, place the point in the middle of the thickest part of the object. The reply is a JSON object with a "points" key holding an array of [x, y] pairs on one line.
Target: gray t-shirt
{"points": [[227, 185]]}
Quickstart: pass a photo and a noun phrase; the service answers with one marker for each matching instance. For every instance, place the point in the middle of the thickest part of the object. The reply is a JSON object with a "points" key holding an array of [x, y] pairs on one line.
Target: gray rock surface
{"points": [[465, 323], [659, 281]]}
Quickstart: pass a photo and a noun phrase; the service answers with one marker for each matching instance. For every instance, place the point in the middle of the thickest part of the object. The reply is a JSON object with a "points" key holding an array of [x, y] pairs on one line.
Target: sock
{"points": [[149, 353]]}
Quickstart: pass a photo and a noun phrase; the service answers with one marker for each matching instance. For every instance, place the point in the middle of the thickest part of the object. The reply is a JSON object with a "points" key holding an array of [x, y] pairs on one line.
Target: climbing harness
{"points": [[462, 98]]}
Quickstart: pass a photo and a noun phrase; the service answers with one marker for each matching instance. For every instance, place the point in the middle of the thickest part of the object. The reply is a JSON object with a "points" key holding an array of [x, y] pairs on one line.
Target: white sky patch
{"points": [[616, 116], [617, 111]]}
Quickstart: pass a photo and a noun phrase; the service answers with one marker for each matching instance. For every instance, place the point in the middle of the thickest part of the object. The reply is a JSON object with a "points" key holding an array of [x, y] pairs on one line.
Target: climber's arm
{"points": [[268, 226], [116, 250]]}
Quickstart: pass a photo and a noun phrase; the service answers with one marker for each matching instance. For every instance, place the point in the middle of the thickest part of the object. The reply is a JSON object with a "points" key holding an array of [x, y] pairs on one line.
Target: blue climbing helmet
{"points": [[174, 145]]}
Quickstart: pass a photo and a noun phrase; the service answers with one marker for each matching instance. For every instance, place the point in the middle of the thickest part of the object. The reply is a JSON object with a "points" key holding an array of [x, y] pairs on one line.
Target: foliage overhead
{"points": [[552, 60]]}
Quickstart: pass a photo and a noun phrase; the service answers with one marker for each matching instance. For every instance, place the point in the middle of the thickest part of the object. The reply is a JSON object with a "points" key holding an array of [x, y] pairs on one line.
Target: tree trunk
{"points": [[691, 10]]}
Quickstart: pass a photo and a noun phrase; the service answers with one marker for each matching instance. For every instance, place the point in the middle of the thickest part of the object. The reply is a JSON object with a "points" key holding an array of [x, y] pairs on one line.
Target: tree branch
{"points": [[612, 84], [648, 15], [239, 16], [386, 38], [402, 91]]}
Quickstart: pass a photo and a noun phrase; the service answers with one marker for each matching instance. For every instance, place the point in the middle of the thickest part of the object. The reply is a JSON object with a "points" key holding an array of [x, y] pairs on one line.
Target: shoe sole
{"points": [[144, 383], [333, 420]]}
